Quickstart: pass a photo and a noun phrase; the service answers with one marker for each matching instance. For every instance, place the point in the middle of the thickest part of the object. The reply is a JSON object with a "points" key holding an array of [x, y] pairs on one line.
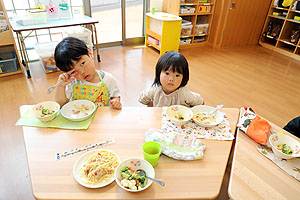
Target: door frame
{"points": [[125, 41]]}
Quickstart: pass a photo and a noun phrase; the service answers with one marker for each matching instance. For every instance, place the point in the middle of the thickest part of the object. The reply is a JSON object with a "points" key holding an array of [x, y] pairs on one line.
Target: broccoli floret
{"points": [[124, 168]]}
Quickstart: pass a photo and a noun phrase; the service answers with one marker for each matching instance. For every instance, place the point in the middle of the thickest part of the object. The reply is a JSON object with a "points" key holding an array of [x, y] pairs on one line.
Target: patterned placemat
{"points": [[59, 121], [220, 132], [290, 166]]}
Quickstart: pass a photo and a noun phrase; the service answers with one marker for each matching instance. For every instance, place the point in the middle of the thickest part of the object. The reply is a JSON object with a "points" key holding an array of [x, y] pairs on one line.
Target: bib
{"points": [[97, 94]]}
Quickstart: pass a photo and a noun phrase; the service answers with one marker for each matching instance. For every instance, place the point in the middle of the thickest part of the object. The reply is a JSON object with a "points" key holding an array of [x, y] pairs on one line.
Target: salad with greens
{"points": [[285, 149], [46, 112], [131, 179]]}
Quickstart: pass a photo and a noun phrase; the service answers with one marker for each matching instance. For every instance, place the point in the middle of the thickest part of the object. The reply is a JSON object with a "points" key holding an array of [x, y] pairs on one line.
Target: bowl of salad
{"points": [[202, 117], [284, 146], [128, 176], [45, 111], [179, 114]]}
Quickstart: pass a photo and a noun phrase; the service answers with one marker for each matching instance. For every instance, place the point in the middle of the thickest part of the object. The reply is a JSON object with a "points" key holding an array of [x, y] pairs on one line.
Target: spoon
{"points": [[215, 110], [143, 173], [50, 89]]}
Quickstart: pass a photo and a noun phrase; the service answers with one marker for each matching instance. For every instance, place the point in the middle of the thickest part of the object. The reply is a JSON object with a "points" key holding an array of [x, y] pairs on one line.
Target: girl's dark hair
{"points": [[68, 50], [178, 64]]}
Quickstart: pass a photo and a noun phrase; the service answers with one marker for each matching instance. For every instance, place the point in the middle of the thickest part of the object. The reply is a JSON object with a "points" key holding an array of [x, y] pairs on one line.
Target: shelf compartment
{"points": [[285, 46], [153, 34], [286, 41], [277, 17], [279, 8], [153, 45]]}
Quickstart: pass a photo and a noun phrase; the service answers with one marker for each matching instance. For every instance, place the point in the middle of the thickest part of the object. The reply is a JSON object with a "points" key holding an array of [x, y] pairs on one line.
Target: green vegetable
{"points": [[285, 148]]}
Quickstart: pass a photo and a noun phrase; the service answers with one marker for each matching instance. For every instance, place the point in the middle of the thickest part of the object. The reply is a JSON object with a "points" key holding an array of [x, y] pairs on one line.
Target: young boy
{"points": [[82, 80]]}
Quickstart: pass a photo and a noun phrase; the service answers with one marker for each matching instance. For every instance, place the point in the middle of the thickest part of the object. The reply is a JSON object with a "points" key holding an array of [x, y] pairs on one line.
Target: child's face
{"points": [[170, 80], [85, 69]]}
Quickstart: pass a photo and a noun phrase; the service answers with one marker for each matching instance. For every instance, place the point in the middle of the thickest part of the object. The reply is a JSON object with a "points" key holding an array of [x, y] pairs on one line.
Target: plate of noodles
{"points": [[96, 168]]}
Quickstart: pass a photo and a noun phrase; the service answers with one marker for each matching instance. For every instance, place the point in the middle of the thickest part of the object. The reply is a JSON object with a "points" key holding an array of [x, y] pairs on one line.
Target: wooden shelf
{"points": [[286, 41], [11, 73], [292, 20], [173, 7], [282, 44], [187, 14], [7, 44], [277, 17], [153, 34], [6, 38], [153, 45], [279, 8]]}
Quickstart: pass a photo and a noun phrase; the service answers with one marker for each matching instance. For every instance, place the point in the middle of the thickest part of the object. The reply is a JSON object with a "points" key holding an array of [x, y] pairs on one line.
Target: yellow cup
{"points": [[152, 151]]}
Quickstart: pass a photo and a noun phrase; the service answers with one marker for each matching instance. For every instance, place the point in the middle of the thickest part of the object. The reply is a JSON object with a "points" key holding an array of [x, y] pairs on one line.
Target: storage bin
{"points": [[186, 30], [204, 9], [187, 9], [153, 40], [200, 39], [46, 53], [201, 29], [185, 41], [8, 62], [79, 32], [39, 16]]}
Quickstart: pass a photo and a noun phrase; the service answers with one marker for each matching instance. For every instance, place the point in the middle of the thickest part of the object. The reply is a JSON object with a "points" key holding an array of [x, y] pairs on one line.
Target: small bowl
{"points": [[135, 164], [207, 109], [277, 139], [174, 113], [45, 111], [78, 110]]}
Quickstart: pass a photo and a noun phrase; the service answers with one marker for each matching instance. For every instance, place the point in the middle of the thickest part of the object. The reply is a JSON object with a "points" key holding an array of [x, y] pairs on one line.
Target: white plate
{"points": [[79, 163], [68, 109]]}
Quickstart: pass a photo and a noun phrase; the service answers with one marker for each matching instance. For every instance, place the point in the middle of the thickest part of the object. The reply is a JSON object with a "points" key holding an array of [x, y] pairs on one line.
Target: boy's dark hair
{"points": [[178, 64], [68, 50]]}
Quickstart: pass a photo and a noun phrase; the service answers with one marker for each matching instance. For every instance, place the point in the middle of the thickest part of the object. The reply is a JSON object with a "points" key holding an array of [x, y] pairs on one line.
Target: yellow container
{"points": [[276, 13], [297, 18], [39, 16]]}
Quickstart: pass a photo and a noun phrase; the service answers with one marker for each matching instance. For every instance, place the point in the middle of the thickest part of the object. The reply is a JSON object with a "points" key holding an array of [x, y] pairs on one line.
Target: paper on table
{"points": [[58, 122]]}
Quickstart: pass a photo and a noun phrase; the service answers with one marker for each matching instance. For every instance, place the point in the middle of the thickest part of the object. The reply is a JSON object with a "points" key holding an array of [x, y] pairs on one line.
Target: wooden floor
{"points": [[236, 77]]}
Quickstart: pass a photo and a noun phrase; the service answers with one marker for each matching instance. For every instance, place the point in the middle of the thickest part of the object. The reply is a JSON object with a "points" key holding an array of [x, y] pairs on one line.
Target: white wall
{"points": [[157, 4]]}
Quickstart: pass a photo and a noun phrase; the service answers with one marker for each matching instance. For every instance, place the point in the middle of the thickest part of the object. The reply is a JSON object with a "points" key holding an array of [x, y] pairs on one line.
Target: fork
{"points": [[50, 89]]}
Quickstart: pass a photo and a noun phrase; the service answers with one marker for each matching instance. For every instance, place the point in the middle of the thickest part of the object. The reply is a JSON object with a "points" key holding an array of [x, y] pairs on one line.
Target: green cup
{"points": [[152, 151]]}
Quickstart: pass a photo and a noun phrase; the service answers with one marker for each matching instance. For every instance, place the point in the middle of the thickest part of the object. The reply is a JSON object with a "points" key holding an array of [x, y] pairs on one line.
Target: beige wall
{"points": [[157, 4]]}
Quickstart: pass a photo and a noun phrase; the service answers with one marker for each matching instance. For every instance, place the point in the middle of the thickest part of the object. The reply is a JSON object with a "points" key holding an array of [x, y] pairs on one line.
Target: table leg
{"points": [[23, 53], [97, 47]]}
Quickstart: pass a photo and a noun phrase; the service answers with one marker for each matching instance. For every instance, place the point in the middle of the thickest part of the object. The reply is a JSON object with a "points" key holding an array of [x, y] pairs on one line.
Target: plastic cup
{"points": [[152, 151]]}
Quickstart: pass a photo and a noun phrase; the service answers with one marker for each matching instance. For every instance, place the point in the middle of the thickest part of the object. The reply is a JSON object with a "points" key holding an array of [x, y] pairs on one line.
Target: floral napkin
{"points": [[220, 132], [290, 166], [177, 146]]}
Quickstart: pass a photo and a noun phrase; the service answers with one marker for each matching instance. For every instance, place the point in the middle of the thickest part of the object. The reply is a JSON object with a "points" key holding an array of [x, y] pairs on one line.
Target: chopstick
{"points": [[84, 148]]}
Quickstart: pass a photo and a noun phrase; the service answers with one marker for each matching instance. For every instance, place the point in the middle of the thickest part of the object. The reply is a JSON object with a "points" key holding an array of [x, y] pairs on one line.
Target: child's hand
{"points": [[115, 103], [150, 104], [67, 77]]}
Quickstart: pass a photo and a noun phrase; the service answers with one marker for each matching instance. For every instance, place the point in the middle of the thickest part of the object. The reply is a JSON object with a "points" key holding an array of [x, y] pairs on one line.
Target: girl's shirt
{"points": [[181, 96], [107, 78]]}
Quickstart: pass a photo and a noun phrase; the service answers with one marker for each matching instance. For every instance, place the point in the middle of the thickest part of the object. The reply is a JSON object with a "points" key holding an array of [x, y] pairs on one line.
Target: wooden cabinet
{"points": [[9, 57], [279, 25], [162, 31], [197, 16]]}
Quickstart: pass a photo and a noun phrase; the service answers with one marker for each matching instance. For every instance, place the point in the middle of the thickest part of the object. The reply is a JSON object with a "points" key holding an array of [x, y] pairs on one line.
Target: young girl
{"points": [[168, 88], [82, 80]]}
